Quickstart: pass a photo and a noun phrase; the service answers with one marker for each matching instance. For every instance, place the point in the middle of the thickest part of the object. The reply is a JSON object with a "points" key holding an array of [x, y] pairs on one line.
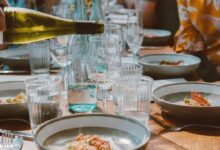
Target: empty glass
{"points": [[134, 99], [128, 74], [115, 31], [43, 94], [39, 57], [104, 62], [58, 45], [134, 31]]}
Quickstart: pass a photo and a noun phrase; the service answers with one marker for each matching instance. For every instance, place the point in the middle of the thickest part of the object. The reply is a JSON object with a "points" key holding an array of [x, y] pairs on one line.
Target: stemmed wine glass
{"points": [[104, 62], [115, 31], [134, 31], [58, 45]]}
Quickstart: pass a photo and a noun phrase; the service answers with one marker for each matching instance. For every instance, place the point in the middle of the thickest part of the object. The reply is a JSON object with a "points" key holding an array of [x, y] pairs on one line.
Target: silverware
{"points": [[182, 127], [24, 71], [24, 135], [10, 142]]}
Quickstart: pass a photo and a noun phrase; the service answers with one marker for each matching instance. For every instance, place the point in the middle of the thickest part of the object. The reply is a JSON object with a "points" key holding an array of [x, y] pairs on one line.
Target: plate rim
{"points": [[147, 129], [168, 32], [158, 65], [14, 58], [6, 82], [159, 100]]}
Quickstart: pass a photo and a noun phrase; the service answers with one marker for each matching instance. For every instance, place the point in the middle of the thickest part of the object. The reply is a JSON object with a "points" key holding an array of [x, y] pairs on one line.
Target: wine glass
{"points": [[134, 31], [58, 45], [104, 63], [115, 31]]}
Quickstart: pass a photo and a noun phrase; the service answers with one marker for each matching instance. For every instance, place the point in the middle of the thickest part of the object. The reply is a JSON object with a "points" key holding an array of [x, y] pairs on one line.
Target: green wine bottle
{"points": [[25, 26]]}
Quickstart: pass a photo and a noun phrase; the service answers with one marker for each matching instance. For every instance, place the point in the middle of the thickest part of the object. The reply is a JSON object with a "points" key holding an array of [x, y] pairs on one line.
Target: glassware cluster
{"points": [[92, 71]]}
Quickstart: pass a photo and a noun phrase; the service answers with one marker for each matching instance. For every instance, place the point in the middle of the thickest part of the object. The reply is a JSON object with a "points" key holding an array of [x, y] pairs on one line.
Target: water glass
{"points": [[58, 45], [39, 57], [135, 99], [104, 61], [115, 31], [43, 94], [128, 74]]}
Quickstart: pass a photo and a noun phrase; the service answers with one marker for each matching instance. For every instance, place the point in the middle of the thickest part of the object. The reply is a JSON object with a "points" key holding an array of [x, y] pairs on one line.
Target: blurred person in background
{"points": [[46, 5], [158, 14], [199, 34], [40, 5]]}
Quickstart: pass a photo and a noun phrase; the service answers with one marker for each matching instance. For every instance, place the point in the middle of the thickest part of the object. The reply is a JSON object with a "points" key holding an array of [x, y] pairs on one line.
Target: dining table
{"points": [[161, 137]]}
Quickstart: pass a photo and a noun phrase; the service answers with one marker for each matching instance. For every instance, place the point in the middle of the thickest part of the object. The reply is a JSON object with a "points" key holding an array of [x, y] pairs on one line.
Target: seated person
{"points": [[160, 14], [199, 34]]}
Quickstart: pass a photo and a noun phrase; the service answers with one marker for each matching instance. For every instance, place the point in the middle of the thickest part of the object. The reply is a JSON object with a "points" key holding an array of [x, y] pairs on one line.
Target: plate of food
{"points": [[92, 131], [169, 64], [189, 100], [156, 37], [15, 58], [13, 101]]}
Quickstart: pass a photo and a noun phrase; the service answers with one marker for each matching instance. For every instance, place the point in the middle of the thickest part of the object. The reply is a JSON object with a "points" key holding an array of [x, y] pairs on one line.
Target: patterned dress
{"points": [[199, 29]]}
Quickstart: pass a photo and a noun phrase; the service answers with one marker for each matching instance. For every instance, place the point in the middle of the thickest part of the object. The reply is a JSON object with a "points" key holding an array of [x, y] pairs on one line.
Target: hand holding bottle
{"points": [[2, 15], [2, 22]]}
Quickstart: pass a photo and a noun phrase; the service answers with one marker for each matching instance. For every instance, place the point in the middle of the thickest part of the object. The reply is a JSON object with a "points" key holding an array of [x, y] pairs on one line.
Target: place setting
{"points": [[18, 60], [99, 75]]}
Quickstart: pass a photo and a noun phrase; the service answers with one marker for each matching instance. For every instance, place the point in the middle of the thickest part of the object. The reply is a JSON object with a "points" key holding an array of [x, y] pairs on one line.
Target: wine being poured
{"points": [[25, 26]]}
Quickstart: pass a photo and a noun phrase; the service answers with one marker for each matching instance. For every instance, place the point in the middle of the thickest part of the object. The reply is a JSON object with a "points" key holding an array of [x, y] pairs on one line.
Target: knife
{"points": [[24, 135]]}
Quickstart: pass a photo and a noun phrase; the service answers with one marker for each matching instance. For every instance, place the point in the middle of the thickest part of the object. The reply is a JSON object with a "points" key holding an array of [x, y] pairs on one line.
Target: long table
{"points": [[161, 138]]}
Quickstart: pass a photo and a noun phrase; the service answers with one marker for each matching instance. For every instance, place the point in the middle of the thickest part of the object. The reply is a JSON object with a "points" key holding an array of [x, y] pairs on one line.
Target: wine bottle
{"points": [[25, 26]]}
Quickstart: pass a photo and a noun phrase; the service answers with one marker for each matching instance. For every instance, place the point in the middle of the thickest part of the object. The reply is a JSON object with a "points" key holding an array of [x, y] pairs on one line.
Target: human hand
{"points": [[2, 15]]}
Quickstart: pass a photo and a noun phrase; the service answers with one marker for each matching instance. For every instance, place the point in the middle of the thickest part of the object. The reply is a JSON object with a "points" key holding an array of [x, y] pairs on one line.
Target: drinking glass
{"points": [[43, 98], [39, 57], [104, 62], [135, 99], [58, 45], [134, 31], [115, 31], [128, 74]]}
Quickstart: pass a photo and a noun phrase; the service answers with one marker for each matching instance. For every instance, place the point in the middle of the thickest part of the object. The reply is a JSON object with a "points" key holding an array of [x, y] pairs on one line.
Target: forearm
{"points": [[121, 2], [2, 22], [148, 8]]}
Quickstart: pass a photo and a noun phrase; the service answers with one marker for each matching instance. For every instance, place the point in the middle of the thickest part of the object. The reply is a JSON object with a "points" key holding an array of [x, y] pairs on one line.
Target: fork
{"points": [[10, 142], [6, 142], [180, 128]]}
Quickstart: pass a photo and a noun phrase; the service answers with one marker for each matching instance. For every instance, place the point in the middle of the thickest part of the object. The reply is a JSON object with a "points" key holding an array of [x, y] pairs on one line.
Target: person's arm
{"points": [[2, 23], [187, 37], [46, 5], [121, 2], [148, 8]]}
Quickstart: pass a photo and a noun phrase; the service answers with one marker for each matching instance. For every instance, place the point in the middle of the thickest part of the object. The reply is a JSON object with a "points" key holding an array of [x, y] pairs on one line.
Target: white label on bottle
{"points": [[1, 37]]}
